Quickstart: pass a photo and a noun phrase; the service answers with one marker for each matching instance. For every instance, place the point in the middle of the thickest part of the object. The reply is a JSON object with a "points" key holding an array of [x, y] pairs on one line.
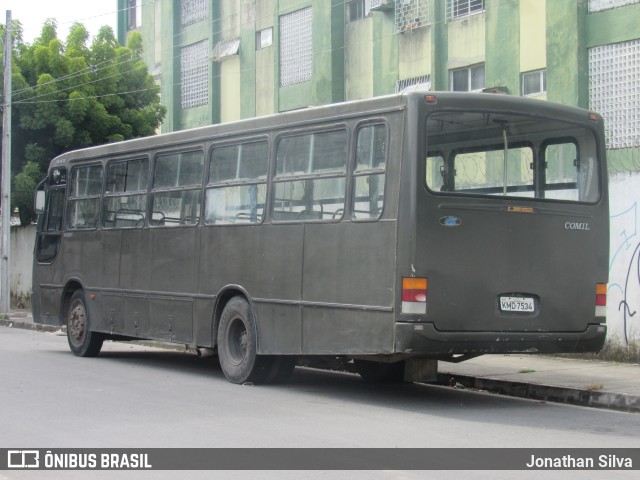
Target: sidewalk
{"points": [[597, 384]]}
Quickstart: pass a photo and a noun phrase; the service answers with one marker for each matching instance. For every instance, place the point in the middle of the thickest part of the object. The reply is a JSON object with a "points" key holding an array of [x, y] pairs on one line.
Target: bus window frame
{"points": [[543, 161], [145, 192], [99, 196], [352, 173], [207, 185], [275, 179], [539, 184], [152, 190]]}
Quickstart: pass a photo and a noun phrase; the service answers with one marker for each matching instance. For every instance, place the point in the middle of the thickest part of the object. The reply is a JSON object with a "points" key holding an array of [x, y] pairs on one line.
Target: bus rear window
{"points": [[488, 154]]}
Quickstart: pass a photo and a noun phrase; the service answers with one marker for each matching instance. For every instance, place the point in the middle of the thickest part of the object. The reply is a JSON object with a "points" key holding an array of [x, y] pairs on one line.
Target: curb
{"points": [[548, 393], [18, 323], [573, 396]]}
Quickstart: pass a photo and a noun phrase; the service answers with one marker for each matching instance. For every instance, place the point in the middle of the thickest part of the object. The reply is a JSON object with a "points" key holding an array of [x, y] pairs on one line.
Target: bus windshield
{"points": [[497, 154]]}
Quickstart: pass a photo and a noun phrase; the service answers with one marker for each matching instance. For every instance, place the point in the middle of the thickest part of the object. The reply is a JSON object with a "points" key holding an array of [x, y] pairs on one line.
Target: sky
{"points": [[32, 14]]}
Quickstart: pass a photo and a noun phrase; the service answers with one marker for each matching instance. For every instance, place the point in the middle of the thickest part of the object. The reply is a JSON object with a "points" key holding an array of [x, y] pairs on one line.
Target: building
{"points": [[219, 61]]}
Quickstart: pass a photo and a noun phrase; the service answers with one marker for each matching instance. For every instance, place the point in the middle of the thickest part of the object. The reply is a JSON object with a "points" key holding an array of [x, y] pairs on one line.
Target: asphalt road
{"points": [[141, 397]]}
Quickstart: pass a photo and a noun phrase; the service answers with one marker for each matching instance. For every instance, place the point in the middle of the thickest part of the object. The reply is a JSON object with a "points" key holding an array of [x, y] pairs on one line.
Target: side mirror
{"points": [[39, 202]]}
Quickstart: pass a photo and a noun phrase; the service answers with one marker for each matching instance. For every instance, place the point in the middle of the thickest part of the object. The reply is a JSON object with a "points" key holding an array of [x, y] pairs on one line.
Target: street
{"points": [[132, 396]]}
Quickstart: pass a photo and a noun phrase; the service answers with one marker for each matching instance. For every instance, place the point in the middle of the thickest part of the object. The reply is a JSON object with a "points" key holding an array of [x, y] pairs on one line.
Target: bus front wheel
{"points": [[82, 341], [238, 342]]}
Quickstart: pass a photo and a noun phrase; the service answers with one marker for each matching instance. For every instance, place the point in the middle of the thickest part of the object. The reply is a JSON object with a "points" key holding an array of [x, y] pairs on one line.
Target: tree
{"points": [[70, 95]]}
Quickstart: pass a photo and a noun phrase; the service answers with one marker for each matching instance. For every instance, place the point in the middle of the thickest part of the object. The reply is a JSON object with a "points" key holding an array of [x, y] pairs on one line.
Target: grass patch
{"points": [[526, 370]]}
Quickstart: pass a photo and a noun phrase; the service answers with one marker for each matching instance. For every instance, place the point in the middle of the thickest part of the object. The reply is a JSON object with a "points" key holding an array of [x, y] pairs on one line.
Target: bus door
{"points": [[49, 227], [513, 224], [50, 208]]}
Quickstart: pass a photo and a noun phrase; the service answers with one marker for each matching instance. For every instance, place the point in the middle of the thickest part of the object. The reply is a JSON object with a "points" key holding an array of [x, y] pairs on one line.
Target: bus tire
{"points": [[379, 372], [83, 342], [238, 344]]}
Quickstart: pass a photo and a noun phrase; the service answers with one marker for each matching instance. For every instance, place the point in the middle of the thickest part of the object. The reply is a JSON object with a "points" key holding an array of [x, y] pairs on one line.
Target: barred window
{"points": [[613, 91], [463, 8], [599, 5], [193, 11], [411, 14], [194, 74], [296, 47]]}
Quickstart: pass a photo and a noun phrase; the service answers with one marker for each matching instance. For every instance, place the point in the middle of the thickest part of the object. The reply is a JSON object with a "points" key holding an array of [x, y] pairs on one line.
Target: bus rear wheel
{"points": [[82, 341], [238, 343]]}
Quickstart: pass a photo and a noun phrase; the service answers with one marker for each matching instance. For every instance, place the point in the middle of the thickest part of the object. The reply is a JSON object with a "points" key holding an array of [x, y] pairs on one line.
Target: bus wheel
{"points": [[237, 345], [82, 341], [378, 372]]}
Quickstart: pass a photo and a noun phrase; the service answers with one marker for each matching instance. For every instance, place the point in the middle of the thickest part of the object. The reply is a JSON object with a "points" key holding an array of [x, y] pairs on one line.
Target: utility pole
{"points": [[5, 286]]}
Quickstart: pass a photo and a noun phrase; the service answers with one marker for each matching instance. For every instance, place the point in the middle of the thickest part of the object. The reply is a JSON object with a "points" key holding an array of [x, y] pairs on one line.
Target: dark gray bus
{"points": [[394, 232]]}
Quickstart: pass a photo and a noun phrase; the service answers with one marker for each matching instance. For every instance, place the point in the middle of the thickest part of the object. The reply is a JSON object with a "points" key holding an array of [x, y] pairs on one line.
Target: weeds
{"points": [[614, 350]]}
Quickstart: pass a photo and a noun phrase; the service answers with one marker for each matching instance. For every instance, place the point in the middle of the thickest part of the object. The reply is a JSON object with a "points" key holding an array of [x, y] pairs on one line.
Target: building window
{"points": [[470, 79], [296, 47], [194, 74], [411, 14], [264, 38], [599, 5], [534, 82], [135, 14], [193, 11], [614, 71], [463, 8], [358, 9]]}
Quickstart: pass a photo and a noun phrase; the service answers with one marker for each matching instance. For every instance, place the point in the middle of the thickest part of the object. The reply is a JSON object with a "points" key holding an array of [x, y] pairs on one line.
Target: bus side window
{"points": [[237, 188], [310, 181], [83, 206], [369, 175], [177, 182], [125, 196]]}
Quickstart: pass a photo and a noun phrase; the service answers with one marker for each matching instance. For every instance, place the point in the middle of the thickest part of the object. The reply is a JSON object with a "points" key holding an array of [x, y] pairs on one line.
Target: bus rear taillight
{"points": [[601, 300], [414, 295]]}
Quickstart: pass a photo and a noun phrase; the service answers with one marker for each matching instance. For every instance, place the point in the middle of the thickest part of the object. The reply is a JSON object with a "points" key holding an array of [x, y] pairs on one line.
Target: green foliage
{"points": [[72, 94]]}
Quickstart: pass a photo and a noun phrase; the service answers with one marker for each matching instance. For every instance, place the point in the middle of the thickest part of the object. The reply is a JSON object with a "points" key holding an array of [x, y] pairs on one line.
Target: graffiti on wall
{"points": [[623, 305]]}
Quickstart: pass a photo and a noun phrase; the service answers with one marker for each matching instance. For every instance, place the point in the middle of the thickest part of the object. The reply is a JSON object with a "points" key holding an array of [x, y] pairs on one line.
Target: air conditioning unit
{"points": [[382, 5]]}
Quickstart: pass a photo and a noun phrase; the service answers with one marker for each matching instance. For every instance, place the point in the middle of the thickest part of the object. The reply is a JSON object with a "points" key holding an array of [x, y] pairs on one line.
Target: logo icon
{"points": [[450, 221], [23, 459]]}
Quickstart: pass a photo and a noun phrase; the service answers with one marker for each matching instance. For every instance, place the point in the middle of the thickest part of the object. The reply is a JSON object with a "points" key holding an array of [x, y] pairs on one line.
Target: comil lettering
{"points": [[576, 226]]}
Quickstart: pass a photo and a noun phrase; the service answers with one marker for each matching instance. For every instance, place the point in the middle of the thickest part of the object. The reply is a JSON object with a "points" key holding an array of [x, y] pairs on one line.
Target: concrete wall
{"points": [[22, 243], [623, 301]]}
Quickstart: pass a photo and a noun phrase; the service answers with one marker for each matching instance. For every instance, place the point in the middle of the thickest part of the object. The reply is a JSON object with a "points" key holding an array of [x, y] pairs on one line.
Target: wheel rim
{"points": [[77, 323], [237, 341]]}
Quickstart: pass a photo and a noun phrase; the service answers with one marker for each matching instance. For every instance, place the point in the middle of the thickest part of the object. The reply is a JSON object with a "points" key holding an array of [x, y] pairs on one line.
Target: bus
{"points": [[391, 233]]}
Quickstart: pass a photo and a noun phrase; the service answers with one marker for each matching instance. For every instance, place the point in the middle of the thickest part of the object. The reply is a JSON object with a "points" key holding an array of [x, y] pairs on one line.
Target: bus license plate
{"points": [[517, 304]]}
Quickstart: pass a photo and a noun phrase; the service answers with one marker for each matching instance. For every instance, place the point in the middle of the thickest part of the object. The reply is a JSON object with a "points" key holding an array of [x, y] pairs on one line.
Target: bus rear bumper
{"points": [[423, 338]]}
